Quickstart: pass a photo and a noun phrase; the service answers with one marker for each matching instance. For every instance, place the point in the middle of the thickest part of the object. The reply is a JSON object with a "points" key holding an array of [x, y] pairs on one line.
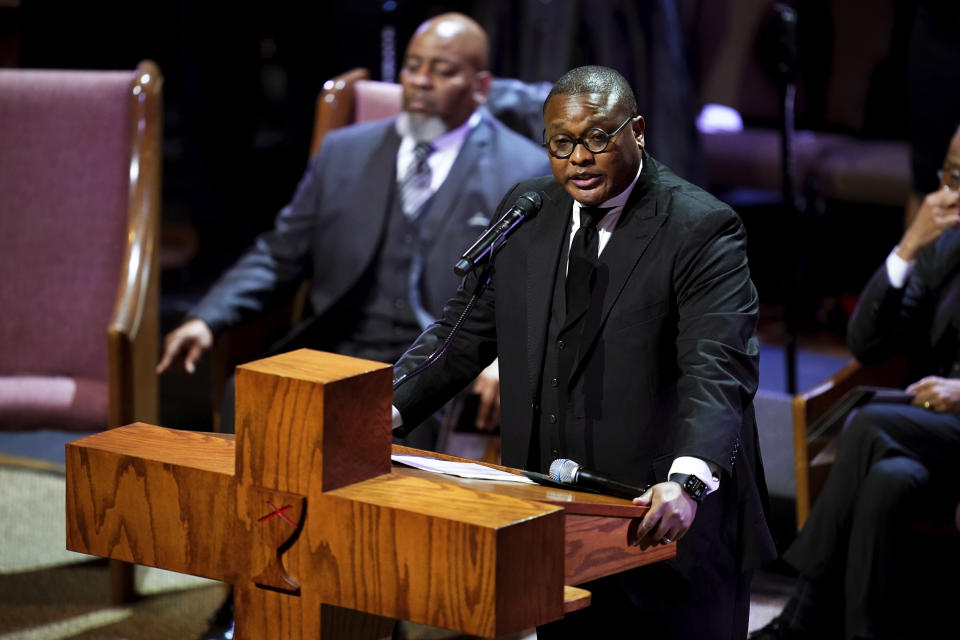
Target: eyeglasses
{"points": [[949, 177], [595, 140]]}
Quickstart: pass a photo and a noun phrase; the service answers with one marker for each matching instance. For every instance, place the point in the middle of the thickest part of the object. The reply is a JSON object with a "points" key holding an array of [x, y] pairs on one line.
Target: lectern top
{"points": [[305, 364]]}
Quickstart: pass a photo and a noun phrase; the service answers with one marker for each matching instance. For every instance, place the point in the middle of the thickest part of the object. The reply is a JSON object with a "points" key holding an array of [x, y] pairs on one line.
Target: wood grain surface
{"points": [[319, 534]]}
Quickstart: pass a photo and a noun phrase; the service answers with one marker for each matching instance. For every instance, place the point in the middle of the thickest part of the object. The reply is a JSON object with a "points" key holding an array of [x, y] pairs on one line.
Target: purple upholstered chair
{"points": [[79, 211], [79, 281]]}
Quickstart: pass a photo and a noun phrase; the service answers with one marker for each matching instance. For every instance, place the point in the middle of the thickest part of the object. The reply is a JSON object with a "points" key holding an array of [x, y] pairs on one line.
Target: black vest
{"points": [[557, 433]]}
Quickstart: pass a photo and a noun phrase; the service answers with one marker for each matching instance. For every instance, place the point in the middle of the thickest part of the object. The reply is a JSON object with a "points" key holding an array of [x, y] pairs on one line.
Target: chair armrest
{"points": [[133, 333], [815, 402]]}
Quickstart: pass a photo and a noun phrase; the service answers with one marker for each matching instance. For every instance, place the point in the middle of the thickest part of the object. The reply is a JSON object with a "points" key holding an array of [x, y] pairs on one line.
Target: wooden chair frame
{"points": [[813, 452], [133, 333]]}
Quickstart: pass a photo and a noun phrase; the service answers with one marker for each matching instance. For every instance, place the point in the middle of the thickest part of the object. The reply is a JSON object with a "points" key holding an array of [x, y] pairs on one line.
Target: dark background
{"points": [[240, 80]]}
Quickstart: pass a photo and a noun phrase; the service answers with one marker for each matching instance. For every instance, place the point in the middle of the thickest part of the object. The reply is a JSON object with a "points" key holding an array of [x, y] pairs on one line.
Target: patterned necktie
{"points": [[582, 260], [415, 184]]}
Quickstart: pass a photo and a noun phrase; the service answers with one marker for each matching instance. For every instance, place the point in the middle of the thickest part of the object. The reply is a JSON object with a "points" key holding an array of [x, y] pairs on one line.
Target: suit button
{"points": [[561, 344], [553, 382], [553, 418], [535, 406], [556, 454]]}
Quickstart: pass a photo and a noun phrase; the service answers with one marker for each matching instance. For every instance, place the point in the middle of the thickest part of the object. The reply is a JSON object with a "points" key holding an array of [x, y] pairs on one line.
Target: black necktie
{"points": [[415, 184], [582, 261]]}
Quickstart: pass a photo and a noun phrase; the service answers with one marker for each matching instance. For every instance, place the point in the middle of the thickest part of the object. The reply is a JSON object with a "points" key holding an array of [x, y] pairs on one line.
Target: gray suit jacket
{"points": [[331, 230]]}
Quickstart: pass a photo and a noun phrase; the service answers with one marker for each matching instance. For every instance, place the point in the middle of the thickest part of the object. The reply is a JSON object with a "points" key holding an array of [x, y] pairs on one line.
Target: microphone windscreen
{"points": [[530, 203], [564, 470]]}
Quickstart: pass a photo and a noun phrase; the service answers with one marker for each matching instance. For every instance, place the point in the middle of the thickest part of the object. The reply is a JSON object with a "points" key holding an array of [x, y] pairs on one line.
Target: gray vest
{"points": [[384, 324]]}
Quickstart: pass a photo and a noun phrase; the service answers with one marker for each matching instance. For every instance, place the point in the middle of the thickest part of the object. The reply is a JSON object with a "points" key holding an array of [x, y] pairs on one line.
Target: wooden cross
{"points": [[319, 534]]}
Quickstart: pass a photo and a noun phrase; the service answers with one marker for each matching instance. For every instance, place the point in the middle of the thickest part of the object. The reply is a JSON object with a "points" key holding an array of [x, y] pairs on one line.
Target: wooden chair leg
{"points": [[122, 588]]}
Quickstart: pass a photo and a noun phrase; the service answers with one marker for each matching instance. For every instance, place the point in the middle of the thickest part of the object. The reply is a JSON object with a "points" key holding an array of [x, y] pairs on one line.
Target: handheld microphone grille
{"points": [[564, 470]]}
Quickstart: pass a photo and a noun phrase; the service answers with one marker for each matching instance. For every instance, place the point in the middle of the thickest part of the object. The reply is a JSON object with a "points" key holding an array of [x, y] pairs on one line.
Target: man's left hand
{"points": [[937, 394], [671, 513]]}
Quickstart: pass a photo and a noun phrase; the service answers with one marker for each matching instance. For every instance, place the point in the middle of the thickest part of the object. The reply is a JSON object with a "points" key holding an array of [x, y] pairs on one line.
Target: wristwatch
{"points": [[694, 486]]}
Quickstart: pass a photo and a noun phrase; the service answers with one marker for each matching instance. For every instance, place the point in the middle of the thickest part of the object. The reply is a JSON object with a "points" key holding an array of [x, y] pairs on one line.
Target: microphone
{"points": [[567, 471], [527, 206]]}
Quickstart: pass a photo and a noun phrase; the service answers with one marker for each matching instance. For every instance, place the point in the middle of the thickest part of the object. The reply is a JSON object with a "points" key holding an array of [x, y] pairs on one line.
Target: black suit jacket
{"points": [[668, 358], [332, 229], [920, 320]]}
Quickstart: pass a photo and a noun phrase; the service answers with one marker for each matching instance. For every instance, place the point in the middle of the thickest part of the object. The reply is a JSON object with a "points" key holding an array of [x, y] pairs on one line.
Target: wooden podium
{"points": [[319, 534]]}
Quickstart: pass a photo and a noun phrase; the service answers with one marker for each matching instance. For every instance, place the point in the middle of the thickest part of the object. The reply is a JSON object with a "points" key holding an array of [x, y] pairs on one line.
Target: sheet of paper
{"points": [[461, 469]]}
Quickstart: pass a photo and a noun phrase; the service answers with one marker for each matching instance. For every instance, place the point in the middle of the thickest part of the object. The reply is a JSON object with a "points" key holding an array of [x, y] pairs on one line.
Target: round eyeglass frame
{"points": [[583, 140], [952, 174]]}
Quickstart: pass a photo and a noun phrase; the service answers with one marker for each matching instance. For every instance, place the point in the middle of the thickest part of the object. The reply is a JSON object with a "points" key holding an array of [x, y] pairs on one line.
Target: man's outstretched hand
{"points": [[185, 345]]}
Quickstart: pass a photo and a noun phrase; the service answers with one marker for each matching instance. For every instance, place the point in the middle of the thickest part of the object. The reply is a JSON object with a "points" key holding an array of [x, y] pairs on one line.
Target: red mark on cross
{"points": [[278, 511]]}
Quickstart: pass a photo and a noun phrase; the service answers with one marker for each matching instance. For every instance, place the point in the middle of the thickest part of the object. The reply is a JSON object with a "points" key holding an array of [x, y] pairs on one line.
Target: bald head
{"points": [[444, 73], [462, 32]]}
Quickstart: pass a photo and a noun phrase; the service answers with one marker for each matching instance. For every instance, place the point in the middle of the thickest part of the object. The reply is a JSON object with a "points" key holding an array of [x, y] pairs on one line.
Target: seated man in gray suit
{"points": [[382, 214]]}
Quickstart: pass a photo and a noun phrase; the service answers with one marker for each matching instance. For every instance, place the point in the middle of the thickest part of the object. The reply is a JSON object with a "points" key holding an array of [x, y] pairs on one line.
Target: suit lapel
{"points": [[637, 226], [383, 162], [947, 312]]}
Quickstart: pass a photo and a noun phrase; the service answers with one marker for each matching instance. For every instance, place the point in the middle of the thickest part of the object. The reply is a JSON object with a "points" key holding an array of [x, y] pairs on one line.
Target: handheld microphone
{"points": [[567, 471], [527, 206]]}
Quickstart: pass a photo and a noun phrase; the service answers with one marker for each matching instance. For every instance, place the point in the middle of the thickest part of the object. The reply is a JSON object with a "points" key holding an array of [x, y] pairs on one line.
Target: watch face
{"points": [[694, 486]]}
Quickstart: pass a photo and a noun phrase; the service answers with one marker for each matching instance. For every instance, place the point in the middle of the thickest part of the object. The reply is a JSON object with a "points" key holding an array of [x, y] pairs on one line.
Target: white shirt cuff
{"points": [[898, 269], [706, 471], [397, 419]]}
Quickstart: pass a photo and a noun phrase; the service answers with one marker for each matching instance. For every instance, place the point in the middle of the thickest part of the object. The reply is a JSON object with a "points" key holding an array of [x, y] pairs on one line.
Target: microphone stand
{"points": [[786, 67]]}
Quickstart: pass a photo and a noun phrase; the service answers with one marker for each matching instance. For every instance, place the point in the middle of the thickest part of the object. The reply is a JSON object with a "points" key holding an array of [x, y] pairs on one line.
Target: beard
{"points": [[420, 128]]}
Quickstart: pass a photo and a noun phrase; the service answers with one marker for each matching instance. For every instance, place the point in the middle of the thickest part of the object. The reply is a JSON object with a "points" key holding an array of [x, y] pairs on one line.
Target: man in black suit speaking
{"points": [[624, 319]]}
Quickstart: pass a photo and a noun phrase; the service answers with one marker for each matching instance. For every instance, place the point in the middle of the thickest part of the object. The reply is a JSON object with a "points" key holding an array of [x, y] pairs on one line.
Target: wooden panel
{"points": [[432, 555], [574, 599], [277, 616], [597, 547], [445, 496], [207, 451], [302, 415], [153, 513]]}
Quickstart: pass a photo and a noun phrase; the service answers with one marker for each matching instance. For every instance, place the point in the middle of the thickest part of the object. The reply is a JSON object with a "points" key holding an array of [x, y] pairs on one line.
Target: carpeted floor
{"points": [[47, 592]]}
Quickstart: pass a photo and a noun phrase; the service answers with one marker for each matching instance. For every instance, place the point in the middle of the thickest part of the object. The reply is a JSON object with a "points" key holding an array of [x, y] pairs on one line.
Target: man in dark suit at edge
{"points": [[379, 217], [626, 341], [894, 461]]}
